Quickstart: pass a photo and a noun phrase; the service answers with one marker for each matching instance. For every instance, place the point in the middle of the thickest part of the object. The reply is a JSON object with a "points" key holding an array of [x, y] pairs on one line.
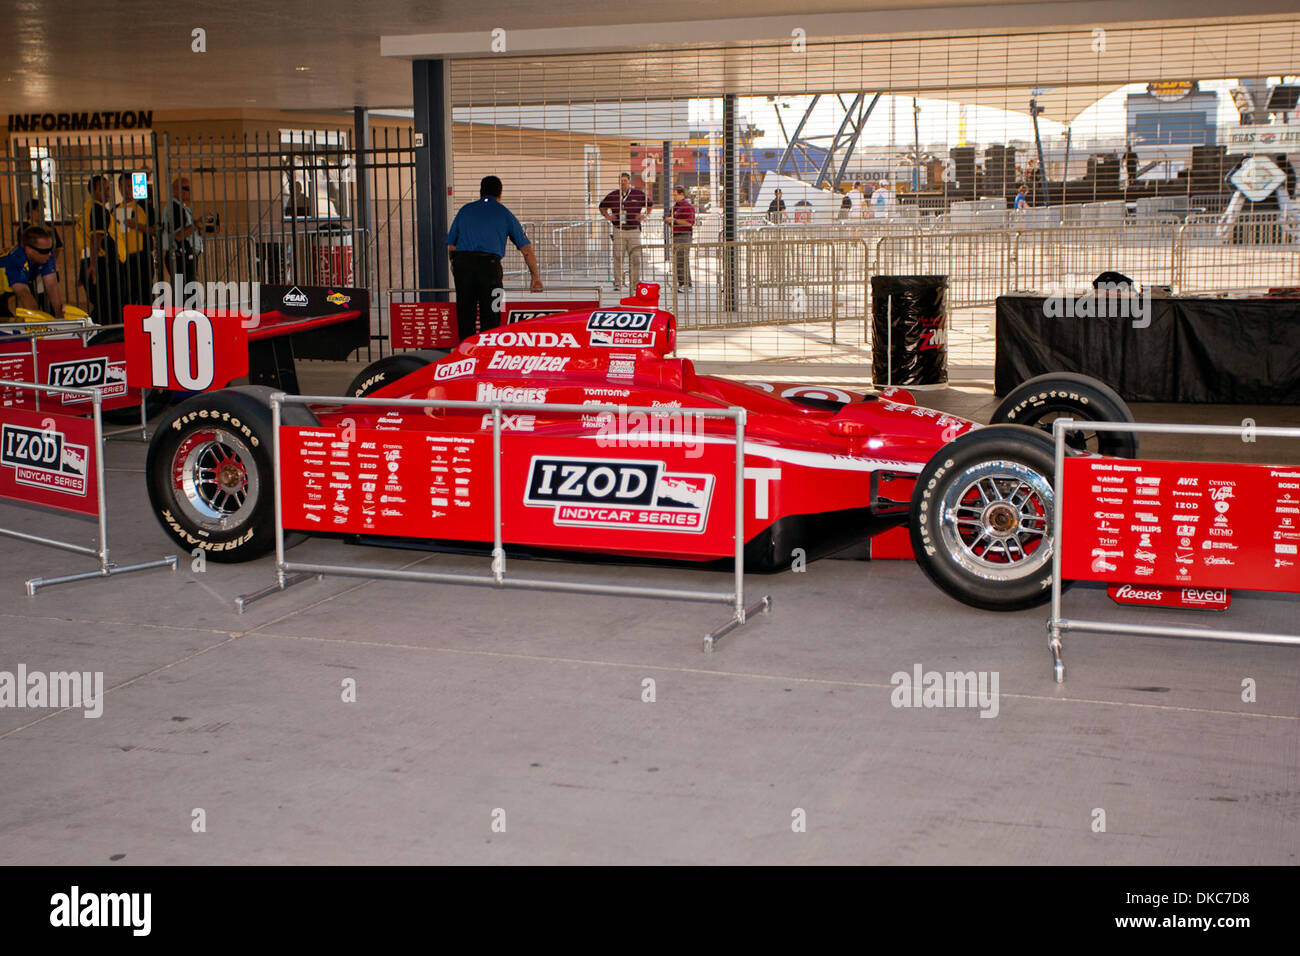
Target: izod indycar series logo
{"points": [[99, 372], [608, 493], [621, 329], [523, 315], [43, 459]]}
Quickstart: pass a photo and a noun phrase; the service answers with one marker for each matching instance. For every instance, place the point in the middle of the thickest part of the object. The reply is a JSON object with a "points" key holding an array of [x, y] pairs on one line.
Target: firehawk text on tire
{"points": [[389, 369], [982, 518], [211, 482], [1045, 398]]}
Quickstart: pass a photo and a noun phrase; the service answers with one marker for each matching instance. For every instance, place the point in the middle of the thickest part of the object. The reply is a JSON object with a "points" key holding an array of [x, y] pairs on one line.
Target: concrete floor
{"points": [[472, 703]]}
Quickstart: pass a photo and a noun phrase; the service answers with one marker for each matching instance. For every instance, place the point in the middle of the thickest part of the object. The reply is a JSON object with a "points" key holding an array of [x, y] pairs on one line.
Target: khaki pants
{"points": [[627, 243], [682, 257]]}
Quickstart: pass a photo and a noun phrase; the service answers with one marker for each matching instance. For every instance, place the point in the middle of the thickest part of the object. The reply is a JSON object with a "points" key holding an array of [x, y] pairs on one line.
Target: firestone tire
{"points": [[982, 518], [211, 482], [389, 369], [1070, 395]]}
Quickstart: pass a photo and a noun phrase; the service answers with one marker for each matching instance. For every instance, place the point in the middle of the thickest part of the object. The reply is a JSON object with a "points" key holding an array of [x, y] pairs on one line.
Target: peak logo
{"points": [[619, 494], [295, 298]]}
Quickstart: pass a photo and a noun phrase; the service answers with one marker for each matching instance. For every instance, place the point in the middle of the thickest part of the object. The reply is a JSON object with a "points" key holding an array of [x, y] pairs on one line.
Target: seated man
{"points": [[31, 259]]}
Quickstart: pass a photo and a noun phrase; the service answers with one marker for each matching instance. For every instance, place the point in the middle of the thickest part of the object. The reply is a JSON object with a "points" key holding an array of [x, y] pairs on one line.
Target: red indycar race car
{"points": [[824, 468]]}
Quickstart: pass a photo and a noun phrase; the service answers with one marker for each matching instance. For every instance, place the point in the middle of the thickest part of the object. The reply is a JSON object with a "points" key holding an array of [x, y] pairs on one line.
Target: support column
{"points": [[666, 194], [729, 203], [432, 171], [361, 222]]}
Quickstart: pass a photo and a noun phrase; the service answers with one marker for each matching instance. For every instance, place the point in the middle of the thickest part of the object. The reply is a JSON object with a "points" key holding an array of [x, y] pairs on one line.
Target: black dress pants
{"points": [[478, 277]]}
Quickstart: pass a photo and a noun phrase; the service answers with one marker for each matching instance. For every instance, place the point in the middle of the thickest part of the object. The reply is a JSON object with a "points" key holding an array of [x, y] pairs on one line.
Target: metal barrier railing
{"points": [[106, 568], [67, 328], [1058, 625], [749, 283], [301, 571]]}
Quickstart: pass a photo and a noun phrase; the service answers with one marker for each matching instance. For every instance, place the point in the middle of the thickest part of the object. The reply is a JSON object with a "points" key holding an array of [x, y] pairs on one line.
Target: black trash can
{"points": [[909, 314]]}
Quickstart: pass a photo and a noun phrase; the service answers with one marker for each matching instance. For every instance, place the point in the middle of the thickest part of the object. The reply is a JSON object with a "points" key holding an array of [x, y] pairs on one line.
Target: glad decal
{"points": [[504, 361], [455, 369], [531, 340]]}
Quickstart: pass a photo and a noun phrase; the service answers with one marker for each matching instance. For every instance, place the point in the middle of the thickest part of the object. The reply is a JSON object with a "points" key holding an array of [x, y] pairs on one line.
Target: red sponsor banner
{"points": [[432, 325], [16, 366], [185, 350], [1200, 599], [48, 459], [1178, 524], [423, 325], [387, 482], [67, 363]]}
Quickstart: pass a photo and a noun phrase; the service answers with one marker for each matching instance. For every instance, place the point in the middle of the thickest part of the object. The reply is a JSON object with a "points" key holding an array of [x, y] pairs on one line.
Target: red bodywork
{"points": [[824, 467]]}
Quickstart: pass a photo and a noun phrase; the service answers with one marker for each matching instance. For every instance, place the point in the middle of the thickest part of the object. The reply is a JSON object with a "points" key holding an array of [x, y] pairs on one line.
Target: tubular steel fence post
{"points": [[1176, 270], [1013, 258], [498, 551], [98, 410], [276, 399]]}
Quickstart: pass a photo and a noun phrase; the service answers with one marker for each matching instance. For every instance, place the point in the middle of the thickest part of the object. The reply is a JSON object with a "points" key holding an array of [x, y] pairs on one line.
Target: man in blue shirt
{"points": [[477, 243], [33, 257]]}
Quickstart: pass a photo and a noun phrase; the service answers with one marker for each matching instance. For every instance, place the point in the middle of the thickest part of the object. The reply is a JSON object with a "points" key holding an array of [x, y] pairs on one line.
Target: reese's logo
{"points": [[43, 459]]}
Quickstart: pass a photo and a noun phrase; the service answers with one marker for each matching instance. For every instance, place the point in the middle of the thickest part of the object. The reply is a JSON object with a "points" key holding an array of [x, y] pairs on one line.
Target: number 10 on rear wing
{"points": [[185, 350]]}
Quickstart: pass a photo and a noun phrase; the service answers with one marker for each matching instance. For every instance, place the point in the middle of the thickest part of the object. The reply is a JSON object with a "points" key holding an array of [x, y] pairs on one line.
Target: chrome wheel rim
{"points": [[996, 520], [215, 485]]}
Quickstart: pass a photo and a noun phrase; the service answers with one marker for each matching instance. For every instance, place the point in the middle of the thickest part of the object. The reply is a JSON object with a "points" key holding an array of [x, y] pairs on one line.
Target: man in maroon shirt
{"points": [[683, 222], [624, 207]]}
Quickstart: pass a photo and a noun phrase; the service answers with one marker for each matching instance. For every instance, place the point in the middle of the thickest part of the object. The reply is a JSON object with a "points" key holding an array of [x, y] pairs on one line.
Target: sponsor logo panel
{"points": [[1217, 526], [625, 494]]}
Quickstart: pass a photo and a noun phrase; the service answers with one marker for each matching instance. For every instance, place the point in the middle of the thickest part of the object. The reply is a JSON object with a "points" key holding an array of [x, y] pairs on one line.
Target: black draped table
{"points": [[1224, 351]]}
